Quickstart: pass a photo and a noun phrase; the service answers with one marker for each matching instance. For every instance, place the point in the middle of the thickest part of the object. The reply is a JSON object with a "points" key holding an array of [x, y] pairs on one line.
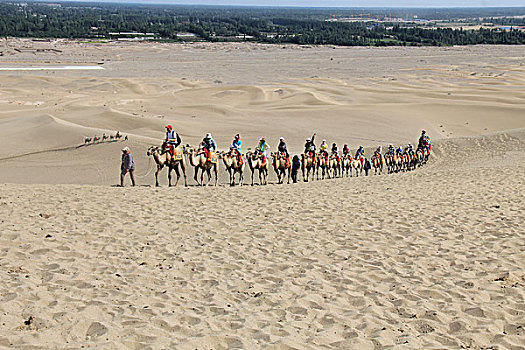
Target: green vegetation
{"points": [[358, 27]]}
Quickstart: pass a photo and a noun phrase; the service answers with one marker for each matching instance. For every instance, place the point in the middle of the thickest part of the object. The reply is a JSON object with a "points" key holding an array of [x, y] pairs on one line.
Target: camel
{"points": [[412, 160], [308, 163], [200, 162], [389, 162], [281, 165], [408, 161], [422, 156], [395, 162], [233, 166], [378, 162], [104, 137], [322, 164], [87, 140], [96, 139], [334, 166], [346, 165], [162, 158], [255, 162], [357, 165]]}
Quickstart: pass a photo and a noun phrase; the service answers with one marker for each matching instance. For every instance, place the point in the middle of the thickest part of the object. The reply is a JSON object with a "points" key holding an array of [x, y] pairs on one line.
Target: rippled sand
{"points": [[432, 258]]}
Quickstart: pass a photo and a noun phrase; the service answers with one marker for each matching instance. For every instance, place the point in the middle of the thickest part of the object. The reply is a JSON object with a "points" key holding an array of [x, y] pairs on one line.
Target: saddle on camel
{"points": [[176, 153], [338, 159]]}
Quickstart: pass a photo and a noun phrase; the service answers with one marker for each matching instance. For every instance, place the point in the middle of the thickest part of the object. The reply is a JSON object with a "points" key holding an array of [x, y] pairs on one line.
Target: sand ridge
{"points": [[449, 92]]}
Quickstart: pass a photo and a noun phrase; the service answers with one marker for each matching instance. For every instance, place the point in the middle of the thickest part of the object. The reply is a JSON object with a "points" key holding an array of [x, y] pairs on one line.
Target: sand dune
{"points": [[429, 259]]}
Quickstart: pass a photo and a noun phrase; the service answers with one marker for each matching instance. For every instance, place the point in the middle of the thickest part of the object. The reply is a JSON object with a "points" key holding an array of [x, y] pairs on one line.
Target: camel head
{"points": [[152, 150]]}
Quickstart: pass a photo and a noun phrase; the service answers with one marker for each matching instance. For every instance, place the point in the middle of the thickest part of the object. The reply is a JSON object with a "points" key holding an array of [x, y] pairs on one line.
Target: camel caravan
{"points": [[105, 138], [313, 164]]}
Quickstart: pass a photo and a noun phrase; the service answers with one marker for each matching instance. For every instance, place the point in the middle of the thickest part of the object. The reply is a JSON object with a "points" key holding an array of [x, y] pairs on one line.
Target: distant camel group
{"points": [[104, 138], [319, 165]]}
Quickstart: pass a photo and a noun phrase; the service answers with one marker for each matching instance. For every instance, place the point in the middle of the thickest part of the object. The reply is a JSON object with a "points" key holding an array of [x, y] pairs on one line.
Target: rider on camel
{"points": [[424, 141], [391, 149], [309, 146], [283, 149], [335, 152], [172, 139], [209, 146], [262, 148], [346, 150], [323, 148], [360, 152], [236, 146], [378, 153]]}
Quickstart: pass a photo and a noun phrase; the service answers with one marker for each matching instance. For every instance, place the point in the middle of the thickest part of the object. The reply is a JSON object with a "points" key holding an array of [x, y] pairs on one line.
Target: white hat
{"points": [[324, 141], [281, 138], [308, 139], [208, 135], [125, 149]]}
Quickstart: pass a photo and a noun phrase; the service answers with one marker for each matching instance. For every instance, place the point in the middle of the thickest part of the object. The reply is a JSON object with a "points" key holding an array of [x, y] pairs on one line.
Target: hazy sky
{"points": [[340, 3]]}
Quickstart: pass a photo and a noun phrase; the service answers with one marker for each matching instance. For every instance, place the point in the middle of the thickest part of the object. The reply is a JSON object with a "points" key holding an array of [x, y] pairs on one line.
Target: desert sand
{"points": [[429, 259]]}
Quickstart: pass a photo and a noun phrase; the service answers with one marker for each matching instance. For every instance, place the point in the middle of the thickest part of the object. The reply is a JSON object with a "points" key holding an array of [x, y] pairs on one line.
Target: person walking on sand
{"points": [[127, 166]]}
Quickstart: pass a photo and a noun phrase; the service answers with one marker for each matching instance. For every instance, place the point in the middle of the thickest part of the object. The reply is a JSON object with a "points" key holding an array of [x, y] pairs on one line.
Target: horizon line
{"points": [[144, 2]]}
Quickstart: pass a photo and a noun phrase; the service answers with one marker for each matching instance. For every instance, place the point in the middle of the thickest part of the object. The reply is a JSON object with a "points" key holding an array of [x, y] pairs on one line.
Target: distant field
{"points": [[304, 26]]}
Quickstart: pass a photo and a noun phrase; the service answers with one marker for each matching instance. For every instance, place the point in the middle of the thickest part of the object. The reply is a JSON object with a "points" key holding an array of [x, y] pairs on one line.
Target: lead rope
{"points": [[149, 169]]}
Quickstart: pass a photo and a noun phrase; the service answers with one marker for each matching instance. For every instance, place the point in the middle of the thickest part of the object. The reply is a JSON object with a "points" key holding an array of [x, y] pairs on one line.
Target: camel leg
{"points": [[157, 177], [289, 174], [216, 168], [178, 174], [253, 170], [169, 175], [202, 177], [183, 167], [196, 174]]}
